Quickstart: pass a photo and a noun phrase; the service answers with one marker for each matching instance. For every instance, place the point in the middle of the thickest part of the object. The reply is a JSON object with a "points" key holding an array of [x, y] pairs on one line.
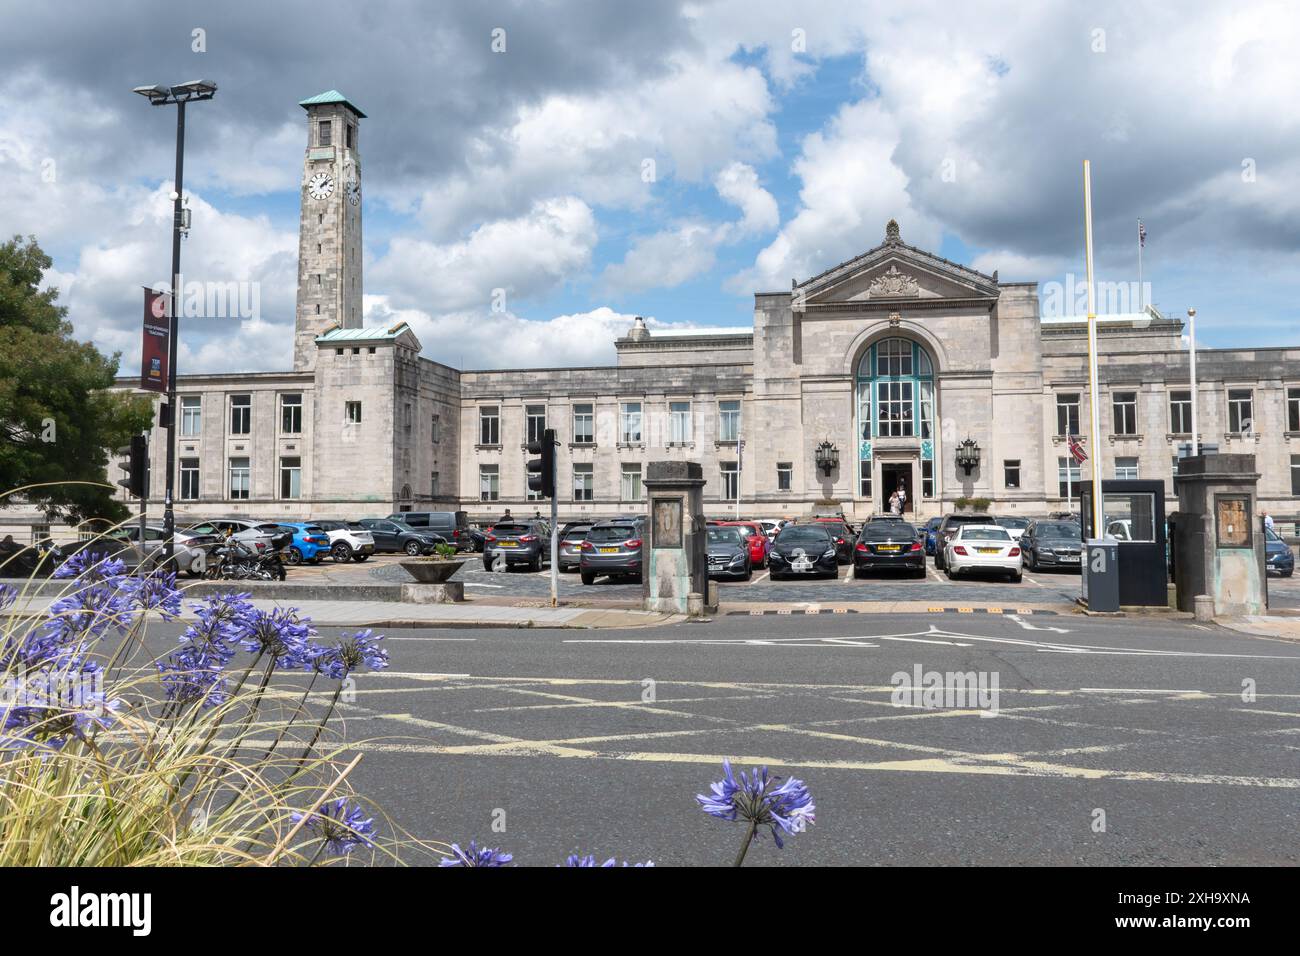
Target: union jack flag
{"points": [[1142, 234], [1076, 449]]}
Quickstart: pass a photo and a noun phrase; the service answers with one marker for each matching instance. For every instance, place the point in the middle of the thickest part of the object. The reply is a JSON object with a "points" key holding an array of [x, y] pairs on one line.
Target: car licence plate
{"points": [[506, 544], [609, 550], [1069, 559], [886, 547], [989, 550]]}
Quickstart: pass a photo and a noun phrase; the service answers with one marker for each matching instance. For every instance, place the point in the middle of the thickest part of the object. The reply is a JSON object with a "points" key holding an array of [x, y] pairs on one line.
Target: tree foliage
{"points": [[58, 421]]}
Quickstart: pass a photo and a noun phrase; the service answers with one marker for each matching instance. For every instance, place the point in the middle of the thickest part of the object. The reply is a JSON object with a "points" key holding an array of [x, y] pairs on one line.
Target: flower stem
{"points": [[744, 847]]}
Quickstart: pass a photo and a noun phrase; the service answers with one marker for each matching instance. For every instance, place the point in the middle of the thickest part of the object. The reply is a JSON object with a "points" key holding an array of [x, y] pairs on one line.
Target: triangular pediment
{"points": [[896, 272]]}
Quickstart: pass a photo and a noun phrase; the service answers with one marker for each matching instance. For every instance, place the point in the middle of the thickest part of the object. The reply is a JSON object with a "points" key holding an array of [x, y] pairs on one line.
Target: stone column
{"points": [[676, 560], [1218, 544]]}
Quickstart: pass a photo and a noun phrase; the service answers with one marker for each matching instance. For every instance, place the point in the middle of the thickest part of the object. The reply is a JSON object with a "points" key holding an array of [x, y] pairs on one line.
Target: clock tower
{"points": [[329, 231]]}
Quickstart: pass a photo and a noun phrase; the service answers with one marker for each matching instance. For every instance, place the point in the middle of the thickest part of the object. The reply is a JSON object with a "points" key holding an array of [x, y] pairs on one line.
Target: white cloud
{"points": [[664, 259], [738, 184]]}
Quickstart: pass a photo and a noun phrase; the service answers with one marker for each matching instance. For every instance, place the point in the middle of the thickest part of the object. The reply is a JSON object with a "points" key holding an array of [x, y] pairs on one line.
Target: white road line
{"points": [[390, 638], [1033, 627], [474, 584], [761, 578], [1034, 583], [921, 640]]}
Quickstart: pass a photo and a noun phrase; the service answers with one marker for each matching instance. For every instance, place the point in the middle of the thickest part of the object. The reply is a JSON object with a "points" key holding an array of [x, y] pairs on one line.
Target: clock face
{"points": [[320, 186], [353, 190]]}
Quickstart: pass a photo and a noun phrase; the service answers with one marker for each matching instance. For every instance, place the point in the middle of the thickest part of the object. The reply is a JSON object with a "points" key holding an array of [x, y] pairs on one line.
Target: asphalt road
{"points": [[559, 735]]}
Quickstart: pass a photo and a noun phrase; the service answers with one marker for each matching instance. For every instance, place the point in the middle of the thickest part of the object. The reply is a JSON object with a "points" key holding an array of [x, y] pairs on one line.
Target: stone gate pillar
{"points": [[676, 556], [1218, 546]]}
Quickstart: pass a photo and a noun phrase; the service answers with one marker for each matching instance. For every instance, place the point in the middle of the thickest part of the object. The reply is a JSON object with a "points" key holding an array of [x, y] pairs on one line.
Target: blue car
{"points": [[931, 527], [1277, 555], [309, 544]]}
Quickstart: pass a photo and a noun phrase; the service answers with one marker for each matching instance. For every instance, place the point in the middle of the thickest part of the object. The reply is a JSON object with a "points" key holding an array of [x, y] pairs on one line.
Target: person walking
{"points": [[1268, 521], [902, 498], [895, 506], [506, 517]]}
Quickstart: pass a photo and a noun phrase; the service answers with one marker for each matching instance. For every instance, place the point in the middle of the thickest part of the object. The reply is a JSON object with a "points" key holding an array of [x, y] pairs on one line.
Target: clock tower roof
{"points": [[330, 96]]}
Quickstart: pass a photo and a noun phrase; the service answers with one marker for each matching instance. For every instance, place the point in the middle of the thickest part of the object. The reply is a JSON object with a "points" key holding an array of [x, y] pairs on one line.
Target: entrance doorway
{"points": [[893, 476]]}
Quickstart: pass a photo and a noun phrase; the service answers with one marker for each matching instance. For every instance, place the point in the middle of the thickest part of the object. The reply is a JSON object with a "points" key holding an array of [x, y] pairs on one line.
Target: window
{"points": [[433, 485], [895, 381], [864, 479], [241, 414], [239, 478], [1240, 410], [894, 406], [584, 482], [407, 418], [784, 475], [535, 422], [326, 131], [629, 431], [1125, 407], [894, 358], [679, 422], [631, 489], [584, 425], [729, 421], [434, 423], [1295, 474], [189, 479], [489, 425], [290, 478], [352, 413], [1067, 477], [730, 480], [291, 414], [1180, 412], [1126, 467], [1293, 409], [1067, 413], [1011, 473], [927, 479], [489, 482], [191, 415], [352, 136]]}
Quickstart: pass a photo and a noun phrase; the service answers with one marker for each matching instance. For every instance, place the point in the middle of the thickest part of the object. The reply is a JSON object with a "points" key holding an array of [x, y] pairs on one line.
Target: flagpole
{"points": [[1098, 529], [1141, 303]]}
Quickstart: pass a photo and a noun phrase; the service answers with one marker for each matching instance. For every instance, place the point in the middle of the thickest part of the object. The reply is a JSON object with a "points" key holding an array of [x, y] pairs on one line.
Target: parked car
{"points": [[189, 553], [1051, 544], [772, 526], [755, 539], [612, 548], [310, 543], [841, 534], [982, 547], [349, 540], [1016, 526], [729, 552], [453, 526], [397, 536], [518, 542], [254, 534], [571, 537], [1278, 556], [889, 545], [931, 529], [804, 549], [947, 528]]}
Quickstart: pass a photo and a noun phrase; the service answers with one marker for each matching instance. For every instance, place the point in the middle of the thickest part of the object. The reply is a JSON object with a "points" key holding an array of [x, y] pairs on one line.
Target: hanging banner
{"points": [[153, 354]]}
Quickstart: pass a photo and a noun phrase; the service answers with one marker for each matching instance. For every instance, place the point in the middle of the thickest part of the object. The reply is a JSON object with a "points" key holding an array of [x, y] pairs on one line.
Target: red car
{"points": [[755, 537]]}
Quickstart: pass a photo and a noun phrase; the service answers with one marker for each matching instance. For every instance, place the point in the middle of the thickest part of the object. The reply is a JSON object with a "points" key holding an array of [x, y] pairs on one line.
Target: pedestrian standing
{"points": [[895, 506], [1268, 521], [902, 498]]}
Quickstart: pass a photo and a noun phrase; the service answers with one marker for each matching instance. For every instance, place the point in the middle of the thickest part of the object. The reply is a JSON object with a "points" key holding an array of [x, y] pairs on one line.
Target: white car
{"points": [[349, 540], [772, 526], [982, 547], [1016, 526]]}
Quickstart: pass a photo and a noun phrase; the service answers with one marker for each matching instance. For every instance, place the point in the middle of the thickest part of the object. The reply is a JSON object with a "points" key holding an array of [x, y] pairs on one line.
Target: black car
{"points": [[1278, 556], [518, 542], [728, 552], [841, 534], [948, 527], [451, 526], [397, 536], [1051, 544], [804, 549], [889, 545], [612, 548], [571, 537]]}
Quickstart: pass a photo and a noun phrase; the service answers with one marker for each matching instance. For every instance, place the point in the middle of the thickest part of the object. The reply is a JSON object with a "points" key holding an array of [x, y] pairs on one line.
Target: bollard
{"points": [[713, 596], [695, 604], [1203, 607]]}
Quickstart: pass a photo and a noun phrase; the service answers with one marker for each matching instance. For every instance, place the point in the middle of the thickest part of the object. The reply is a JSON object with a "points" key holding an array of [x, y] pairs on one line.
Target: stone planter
{"points": [[432, 570]]}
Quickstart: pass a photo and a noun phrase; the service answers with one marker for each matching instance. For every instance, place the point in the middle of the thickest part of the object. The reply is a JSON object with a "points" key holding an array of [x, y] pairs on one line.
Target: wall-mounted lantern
{"points": [[968, 455], [828, 458]]}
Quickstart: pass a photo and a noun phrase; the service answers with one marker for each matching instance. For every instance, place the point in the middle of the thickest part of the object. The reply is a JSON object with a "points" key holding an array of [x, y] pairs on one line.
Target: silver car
{"points": [[189, 552], [254, 534]]}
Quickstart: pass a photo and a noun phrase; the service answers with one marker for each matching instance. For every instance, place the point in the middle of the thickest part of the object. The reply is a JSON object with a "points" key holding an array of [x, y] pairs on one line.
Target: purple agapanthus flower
{"points": [[194, 674], [8, 594], [89, 566], [574, 860], [476, 856], [362, 649], [157, 592], [758, 800], [341, 825], [281, 633], [49, 706]]}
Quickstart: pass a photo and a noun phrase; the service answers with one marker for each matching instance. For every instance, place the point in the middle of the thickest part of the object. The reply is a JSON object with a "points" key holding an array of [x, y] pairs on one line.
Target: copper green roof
{"points": [[330, 96], [364, 335]]}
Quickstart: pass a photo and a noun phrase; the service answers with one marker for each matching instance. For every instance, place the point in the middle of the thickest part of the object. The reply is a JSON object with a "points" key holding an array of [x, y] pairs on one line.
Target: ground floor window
{"points": [[730, 480], [239, 478], [631, 489], [864, 479], [290, 478], [927, 479], [433, 484], [584, 482], [189, 479], [1011, 473], [1126, 468], [1295, 474], [489, 482], [784, 475], [1067, 476]]}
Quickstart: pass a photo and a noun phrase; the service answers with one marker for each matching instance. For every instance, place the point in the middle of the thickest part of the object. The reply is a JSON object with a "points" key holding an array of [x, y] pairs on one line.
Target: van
{"points": [[452, 525]]}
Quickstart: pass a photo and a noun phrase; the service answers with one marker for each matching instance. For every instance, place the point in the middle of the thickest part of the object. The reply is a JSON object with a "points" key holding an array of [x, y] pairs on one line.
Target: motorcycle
{"points": [[234, 560]]}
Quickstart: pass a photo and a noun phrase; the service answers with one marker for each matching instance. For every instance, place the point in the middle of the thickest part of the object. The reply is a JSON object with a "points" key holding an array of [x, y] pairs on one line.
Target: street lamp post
{"points": [[177, 95], [1191, 320]]}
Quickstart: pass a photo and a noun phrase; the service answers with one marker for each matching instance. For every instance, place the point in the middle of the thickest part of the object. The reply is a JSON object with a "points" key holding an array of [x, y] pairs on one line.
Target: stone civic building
{"points": [[891, 360]]}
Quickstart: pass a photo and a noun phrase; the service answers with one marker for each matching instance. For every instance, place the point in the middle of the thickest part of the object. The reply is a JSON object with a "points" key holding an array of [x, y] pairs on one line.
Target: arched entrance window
{"points": [[895, 393]]}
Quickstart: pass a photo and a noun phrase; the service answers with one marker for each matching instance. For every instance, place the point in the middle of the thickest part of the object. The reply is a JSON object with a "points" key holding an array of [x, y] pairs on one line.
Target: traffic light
{"points": [[136, 466], [541, 471]]}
